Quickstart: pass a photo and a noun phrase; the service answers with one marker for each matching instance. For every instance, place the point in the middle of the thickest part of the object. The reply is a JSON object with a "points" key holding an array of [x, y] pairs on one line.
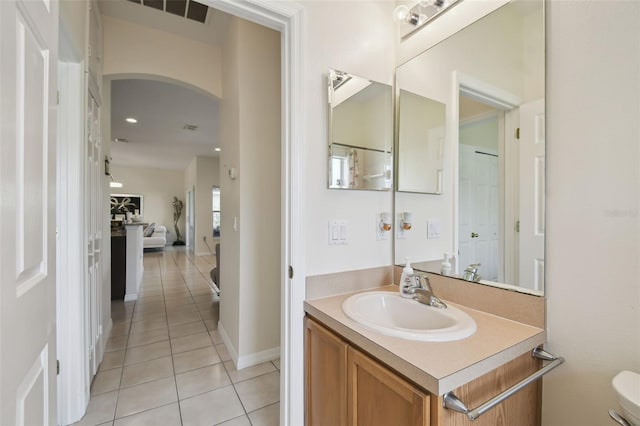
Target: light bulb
{"points": [[401, 12]]}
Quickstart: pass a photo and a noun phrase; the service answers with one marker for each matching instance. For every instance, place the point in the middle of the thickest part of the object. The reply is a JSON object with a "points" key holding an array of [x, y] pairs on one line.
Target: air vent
{"points": [[189, 9], [191, 127]]}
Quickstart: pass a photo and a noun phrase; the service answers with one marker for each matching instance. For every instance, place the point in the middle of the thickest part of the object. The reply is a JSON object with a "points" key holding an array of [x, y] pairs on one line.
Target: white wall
{"points": [[593, 205], [250, 204], [356, 37], [131, 49], [158, 187]]}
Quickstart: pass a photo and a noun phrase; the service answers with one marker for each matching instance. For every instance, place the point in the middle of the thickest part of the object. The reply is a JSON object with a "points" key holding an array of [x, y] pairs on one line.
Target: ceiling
{"points": [[159, 139]]}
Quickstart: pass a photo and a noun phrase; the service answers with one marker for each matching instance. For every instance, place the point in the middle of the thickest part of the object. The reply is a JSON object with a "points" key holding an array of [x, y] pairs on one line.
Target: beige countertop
{"points": [[438, 367]]}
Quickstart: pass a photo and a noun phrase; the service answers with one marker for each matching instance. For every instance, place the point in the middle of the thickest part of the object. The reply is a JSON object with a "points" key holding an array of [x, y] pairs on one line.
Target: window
{"points": [[215, 208]]}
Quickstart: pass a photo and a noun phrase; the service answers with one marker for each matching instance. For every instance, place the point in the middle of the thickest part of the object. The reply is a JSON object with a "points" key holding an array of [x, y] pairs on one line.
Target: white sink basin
{"points": [[392, 315]]}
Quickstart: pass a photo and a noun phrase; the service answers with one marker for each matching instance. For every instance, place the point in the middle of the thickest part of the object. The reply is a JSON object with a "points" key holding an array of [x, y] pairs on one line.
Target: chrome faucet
{"points": [[423, 292], [471, 273]]}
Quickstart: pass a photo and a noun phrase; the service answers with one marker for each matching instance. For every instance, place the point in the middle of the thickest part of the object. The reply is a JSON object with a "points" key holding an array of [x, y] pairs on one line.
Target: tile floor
{"points": [[165, 363]]}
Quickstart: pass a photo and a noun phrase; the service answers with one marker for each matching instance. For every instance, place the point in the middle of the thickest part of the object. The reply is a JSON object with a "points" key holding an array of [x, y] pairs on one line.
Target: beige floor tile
{"points": [[146, 337], [186, 329], [181, 318], [120, 328], [260, 391], [182, 309], [249, 372], [188, 343], [212, 315], [238, 421], [223, 352], [176, 302], [146, 396], [211, 408], [101, 409], [211, 325], [112, 360], [116, 343], [267, 416], [150, 292], [202, 380], [149, 312], [106, 381], [147, 352], [147, 325], [147, 371], [206, 298], [215, 336], [156, 299], [168, 415], [198, 358]]}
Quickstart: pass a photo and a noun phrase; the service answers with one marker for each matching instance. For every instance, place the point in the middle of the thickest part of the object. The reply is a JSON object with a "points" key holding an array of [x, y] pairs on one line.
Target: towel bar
{"points": [[452, 402]]}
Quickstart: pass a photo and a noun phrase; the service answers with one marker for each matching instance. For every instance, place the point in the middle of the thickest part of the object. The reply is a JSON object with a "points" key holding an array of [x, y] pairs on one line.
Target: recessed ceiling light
{"points": [[191, 127], [131, 120], [115, 184], [121, 140], [217, 149]]}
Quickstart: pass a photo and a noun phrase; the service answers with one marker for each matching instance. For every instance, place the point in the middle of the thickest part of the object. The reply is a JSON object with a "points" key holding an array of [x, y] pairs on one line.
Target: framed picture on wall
{"points": [[123, 203]]}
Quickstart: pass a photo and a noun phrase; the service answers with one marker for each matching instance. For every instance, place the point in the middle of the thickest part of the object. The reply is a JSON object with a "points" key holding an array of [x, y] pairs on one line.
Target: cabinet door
{"points": [[378, 396], [325, 377]]}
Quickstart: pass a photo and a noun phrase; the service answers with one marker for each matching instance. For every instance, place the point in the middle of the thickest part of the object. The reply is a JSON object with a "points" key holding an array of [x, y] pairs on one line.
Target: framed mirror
{"points": [[490, 78], [360, 133], [421, 137]]}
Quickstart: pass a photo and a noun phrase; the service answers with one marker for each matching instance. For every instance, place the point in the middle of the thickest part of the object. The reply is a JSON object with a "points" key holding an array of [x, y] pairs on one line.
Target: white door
{"points": [[28, 48], [532, 189], [478, 207]]}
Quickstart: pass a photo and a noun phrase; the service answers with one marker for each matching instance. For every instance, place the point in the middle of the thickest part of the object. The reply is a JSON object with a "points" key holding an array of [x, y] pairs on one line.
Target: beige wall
{"points": [[131, 49], [593, 206], [250, 253], [158, 187]]}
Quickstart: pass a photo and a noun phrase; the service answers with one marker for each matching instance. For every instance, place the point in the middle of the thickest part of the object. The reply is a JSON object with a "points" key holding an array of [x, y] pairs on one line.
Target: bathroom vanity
{"points": [[355, 375]]}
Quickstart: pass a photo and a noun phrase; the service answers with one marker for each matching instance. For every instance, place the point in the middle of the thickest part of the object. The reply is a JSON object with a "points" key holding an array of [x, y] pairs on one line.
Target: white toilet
{"points": [[627, 387]]}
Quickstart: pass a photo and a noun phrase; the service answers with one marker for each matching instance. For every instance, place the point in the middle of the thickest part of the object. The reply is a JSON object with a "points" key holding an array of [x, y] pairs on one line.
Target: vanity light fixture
{"points": [[404, 224], [131, 120], [414, 18], [383, 226]]}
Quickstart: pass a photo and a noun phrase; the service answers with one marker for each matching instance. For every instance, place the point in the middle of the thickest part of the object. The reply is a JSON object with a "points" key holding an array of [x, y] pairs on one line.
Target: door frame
{"points": [[497, 98], [287, 18], [73, 384]]}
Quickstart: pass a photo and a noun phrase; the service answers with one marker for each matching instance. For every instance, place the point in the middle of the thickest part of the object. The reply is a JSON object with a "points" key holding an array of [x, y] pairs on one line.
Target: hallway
{"points": [[165, 363]]}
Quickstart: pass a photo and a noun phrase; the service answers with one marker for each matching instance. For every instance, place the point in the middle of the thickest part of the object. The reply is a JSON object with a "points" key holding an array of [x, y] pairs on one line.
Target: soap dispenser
{"points": [[407, 280], [445, 268]]}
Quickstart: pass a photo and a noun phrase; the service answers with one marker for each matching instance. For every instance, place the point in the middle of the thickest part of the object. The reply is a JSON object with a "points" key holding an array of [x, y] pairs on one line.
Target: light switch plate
{"points": [[338, 232], [434, 229]]}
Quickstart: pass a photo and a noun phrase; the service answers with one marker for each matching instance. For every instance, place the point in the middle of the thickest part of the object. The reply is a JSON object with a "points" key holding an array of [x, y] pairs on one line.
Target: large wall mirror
{"points": [[360, 132], [488, 171]]}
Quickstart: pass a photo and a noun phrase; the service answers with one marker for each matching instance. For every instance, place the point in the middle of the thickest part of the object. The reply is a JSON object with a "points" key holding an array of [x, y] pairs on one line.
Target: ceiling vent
{"points": [[186, 8], [191, 127]]}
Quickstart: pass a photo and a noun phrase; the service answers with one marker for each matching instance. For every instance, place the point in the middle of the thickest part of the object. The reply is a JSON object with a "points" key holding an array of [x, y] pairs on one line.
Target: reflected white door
{"points": [[532, 191], [28, 48], [478, 207]]}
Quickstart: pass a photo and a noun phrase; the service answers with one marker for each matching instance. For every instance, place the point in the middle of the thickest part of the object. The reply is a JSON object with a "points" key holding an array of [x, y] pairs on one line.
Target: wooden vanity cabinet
{"points": [[345, 386]]}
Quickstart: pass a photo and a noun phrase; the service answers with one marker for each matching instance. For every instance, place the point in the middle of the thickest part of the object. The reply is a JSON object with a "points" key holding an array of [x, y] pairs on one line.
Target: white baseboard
{"points": [[256, 358], [130, 297], [248, 360], [233, 352]]}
